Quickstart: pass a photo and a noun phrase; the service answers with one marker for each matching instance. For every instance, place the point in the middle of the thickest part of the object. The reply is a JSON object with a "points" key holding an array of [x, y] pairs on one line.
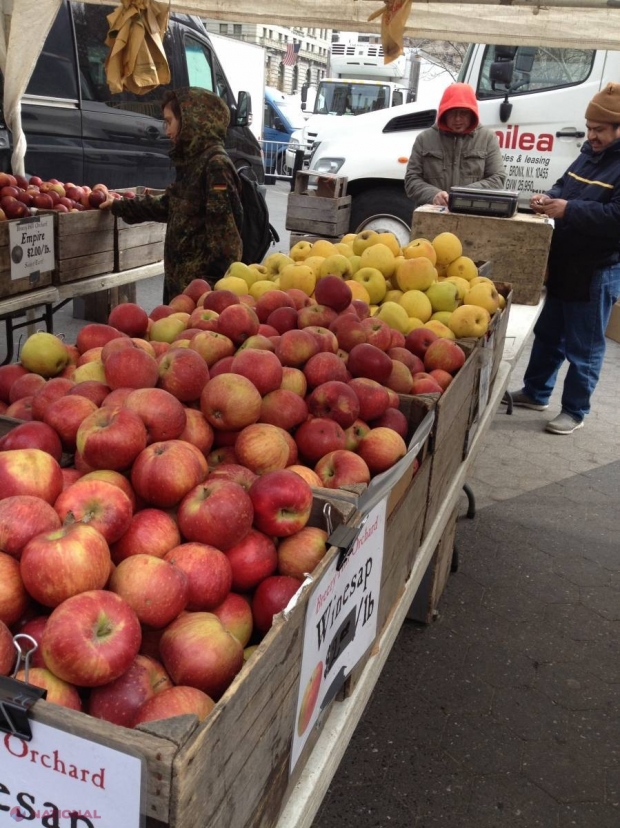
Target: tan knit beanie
{"points": [[605, 105]]}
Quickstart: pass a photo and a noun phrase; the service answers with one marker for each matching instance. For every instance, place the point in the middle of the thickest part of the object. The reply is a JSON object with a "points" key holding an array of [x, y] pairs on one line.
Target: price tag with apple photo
{"points": [[31, 243], [340, 624]]}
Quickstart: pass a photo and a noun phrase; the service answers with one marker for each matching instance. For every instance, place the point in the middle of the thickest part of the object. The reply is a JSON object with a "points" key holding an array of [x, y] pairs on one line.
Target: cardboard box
{"points": [[613, 327]]}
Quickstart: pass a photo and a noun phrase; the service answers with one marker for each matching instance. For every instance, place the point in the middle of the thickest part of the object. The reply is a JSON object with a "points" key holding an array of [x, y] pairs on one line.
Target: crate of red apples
{"points": [[206, 439]]}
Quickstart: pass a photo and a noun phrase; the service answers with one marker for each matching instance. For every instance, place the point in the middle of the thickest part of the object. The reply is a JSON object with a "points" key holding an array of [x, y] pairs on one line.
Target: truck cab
{"points": [[76, 130], [533, 98]]}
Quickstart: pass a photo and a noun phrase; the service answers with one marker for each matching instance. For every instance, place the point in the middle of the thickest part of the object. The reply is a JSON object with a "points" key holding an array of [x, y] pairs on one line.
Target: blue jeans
{"points": [[574, 331]]}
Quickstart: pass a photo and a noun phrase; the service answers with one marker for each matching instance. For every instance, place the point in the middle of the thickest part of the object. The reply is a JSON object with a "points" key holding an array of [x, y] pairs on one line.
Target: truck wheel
{"points": [[384, 209]]}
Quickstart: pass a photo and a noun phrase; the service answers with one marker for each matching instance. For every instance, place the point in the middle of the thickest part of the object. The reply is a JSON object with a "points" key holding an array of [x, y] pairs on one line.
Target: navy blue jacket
{"points": [[588, 237]]}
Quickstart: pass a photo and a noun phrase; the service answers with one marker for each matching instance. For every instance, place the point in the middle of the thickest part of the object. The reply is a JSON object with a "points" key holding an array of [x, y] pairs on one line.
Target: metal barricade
{"points": [[282, 160]]}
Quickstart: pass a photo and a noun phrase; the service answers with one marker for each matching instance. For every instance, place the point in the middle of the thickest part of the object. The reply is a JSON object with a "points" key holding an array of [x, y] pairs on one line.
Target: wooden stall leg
{"points": [[471, 501]]}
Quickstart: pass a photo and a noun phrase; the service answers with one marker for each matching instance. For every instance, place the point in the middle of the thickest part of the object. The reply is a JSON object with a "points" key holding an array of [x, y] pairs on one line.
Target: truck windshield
{"points": [[465, 65], [346, 98]]}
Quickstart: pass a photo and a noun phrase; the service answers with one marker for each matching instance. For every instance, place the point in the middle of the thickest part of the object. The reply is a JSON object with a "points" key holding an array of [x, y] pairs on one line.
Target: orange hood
{"points": [[458, 96]]}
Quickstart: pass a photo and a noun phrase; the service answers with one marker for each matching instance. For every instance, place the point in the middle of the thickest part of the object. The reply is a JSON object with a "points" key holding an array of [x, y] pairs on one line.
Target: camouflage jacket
{"points": [[203, 206]]}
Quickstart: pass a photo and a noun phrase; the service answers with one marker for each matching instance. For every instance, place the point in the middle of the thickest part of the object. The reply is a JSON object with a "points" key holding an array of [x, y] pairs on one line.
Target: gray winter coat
{"points": [[440, 160]]}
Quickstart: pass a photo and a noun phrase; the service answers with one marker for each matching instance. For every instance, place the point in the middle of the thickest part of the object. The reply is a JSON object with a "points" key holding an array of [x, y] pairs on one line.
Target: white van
{"points": [[534, 98]]}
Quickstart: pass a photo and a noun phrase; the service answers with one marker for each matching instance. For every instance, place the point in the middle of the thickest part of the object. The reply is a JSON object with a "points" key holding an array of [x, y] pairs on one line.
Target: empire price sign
{"points": [[341, 624], [59, 780], [31, 243]]}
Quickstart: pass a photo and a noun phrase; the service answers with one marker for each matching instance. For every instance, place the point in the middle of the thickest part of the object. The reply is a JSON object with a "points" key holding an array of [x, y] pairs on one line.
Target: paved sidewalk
{"points": [[506, 711]]}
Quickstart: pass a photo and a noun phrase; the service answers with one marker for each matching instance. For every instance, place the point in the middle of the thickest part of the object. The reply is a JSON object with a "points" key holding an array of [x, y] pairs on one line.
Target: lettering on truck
{"points": [[527, 171]]}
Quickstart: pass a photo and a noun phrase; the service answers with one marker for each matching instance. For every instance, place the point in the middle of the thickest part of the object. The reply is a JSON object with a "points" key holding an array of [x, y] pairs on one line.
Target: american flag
{"points": [[292, 50]]}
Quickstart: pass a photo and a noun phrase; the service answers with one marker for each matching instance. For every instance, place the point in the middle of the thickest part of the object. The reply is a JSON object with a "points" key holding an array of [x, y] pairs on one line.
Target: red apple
{"points": [[225, 455], [199, 652], [91, 639], [316, 316], [120, 700], [183, 373], [271, 301], [151, 532], [354, 434], [335, 401], [109, 348], [219, 300], [301, 553], [111, 438], [425, 384], [333, 292], [197, 288], [93, 390], [14, 598], [20, 410], [262, 448], [30, 472], [160, 312], [230, 402], [175, 701], [207, 571], [311, 477], [42, 201], [204, 320], [21, 518], [392, 418], [94, 355], [116, 399], [69, 476], [197, 431], [252, 560], [300, 299], [271, 597], [418, 340], [283, 319], [294, 380], [378, 333], [325, 339], [368, 361], [33, 435], [222, 366], [235, 613], [282, 503], [381, 448], [131, 368], [58, 691], [348, 330], [155, 589], [162, 413], [183, 303], [442, 378], [165, 472], [26, 386], [262, 368], [400, 380], [234, 472], [238, 322], [217, 513], [64, 562], [294, 348], [342, 468], [8, 652], [100, 504], [267, 331], [116, 479], [8, 375], [373, 398], [318, 437], [283, 408], [444, 354], [53, 390], [34, 628], [95, 335]]}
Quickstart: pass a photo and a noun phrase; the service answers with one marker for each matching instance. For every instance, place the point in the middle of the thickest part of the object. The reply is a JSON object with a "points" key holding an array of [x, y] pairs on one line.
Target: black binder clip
{"points": [[342, 536], [17, 697]]}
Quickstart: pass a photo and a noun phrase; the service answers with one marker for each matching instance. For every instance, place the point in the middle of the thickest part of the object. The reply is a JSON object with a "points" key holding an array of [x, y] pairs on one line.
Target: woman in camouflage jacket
{"points": [[203, 206]]}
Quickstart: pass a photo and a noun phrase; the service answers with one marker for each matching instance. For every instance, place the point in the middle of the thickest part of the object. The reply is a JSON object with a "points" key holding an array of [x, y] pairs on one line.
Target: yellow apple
{"points": [[262, 286], [440, 329], [260, 269], [275, 262], [417, 304], [44, 354], [464, 267], [337, 264], [443, 296], [165, 330], [348, 239], [235, 284], [443, 317], [324, 248], [380, 257], [242, 271], [356, 263], [344, 249], [484, 295], [462, 285], [394, 315], [298, 276], [412, 324], [416, 274], [502, 302], [358, 291], [393, 295], [374, 282], [447, 247], [182, 315], [301, 251], [390, 241], [480, 280], [469, 320], [315, 263], [91, 371], [420, 248], [362, 241]]}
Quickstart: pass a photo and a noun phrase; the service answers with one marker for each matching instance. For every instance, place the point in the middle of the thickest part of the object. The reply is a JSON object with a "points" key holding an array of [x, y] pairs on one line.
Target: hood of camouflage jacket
{"points": [[204, 121]]}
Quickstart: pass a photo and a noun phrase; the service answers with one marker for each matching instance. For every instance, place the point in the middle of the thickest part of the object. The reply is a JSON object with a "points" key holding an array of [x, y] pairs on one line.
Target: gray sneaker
{"points": [[521, 399], [563, 424]]}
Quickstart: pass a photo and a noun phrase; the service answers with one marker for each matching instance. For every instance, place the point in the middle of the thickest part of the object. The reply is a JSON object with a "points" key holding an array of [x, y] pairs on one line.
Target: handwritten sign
{"points": [[31, 243]]}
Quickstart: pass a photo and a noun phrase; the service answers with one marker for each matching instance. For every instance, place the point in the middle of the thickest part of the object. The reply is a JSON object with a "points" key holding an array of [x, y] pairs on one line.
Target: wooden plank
{"points": [[88, 221], [15, 287], [83, 244], [135, 235], [108, 280], [31, 299], [503, 241], [323, 185], [426, 601], [132, 257], [81, 267]]}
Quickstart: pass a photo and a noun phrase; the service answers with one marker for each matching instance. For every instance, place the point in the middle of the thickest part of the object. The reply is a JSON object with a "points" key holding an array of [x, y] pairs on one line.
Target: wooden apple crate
{"points": [[232, 770], [319, 206], [453, 418], [12, 287], [424, 605], [517, 246], [138, 244], [84, 245]]}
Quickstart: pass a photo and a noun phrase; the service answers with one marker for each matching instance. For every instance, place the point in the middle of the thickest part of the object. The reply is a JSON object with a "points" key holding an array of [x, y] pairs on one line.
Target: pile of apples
{"points": [[19, 196], [424, 284]]}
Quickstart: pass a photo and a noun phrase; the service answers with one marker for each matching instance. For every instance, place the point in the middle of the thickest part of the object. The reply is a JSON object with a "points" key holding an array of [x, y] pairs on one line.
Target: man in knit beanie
{"points": [[584, 270]]}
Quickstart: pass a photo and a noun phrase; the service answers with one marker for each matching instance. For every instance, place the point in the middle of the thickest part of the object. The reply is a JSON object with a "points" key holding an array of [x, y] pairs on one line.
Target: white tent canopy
{"points": [[584, 24]]}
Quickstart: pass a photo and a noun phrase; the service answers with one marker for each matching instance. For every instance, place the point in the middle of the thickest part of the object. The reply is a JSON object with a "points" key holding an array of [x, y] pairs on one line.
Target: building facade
{"points": [[312, 56]]}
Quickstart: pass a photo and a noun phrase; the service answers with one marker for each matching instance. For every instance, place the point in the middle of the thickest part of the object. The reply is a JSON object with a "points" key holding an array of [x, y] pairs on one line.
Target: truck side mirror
{"points": [[304, 95], [501, 72], [244, 109], [502, 53], [397, 98]]}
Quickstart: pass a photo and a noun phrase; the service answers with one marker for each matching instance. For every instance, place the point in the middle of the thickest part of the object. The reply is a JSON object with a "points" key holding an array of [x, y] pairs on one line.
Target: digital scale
{"points": [[474, 202]]}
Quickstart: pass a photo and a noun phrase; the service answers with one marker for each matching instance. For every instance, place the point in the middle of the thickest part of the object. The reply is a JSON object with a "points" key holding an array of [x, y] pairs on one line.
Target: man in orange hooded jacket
{"points": [[455, 152]]}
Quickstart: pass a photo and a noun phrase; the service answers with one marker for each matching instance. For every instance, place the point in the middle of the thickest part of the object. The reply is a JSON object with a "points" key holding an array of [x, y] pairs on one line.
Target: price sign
{"points": [[61, 780], [31, 243], [340, 625]]}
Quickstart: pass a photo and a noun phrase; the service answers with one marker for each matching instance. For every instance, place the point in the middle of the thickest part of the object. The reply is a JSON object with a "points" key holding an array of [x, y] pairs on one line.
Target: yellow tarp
{"points": [[137, 61]]}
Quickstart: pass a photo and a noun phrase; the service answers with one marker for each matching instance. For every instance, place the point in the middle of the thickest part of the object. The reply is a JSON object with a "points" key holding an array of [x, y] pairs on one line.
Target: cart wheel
{"points": [[454, 566]]}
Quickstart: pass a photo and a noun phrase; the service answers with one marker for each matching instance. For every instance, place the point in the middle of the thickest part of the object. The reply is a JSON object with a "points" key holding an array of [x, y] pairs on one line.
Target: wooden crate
{"points": [[322, 217], [84, 245], [232, 770], [13, 287], [138, 244], [424, 605], [518, 246], [453, 418]]}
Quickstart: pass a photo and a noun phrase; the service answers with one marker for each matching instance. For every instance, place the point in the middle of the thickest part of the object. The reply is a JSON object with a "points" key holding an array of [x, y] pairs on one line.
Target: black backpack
{"points": [[257, 234]]}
